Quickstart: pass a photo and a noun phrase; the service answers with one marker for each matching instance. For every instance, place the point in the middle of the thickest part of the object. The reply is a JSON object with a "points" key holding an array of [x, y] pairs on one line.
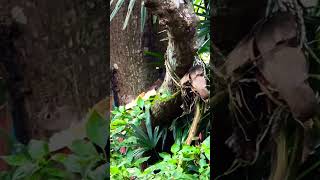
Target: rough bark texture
{"points": [[134, 74], [180, 23], [59, 69]]}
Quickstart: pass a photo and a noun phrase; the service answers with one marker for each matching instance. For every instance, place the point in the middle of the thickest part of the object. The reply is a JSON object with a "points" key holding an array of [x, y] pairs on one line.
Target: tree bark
{"points": [[134, 74], [59, 68], [180, 23]]}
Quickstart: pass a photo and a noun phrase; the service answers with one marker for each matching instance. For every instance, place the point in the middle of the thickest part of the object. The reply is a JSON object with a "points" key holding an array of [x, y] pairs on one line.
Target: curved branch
{"points": [[181, 24]]}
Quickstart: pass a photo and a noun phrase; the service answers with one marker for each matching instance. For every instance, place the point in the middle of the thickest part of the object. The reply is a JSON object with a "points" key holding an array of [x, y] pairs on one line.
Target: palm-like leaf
{"points": [[147, 141], [116, 9], [130, 7]]}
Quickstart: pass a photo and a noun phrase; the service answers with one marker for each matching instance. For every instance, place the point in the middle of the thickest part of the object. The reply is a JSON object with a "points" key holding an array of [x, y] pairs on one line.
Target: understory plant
{"points": [[130, 142], [83, 159]]}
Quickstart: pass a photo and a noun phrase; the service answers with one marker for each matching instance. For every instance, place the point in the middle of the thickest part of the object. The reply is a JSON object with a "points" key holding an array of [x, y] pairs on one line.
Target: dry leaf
{"points": [[286, 70], [196, 81], [273, 45], [279, 28]]}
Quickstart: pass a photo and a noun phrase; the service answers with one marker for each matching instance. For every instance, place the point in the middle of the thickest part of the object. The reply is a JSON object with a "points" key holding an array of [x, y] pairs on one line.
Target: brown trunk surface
{"points": [[134, 73], [59, 69]]}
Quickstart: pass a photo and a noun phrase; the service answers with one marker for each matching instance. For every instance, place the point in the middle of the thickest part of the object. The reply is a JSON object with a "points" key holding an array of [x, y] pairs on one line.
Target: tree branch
{"points": [[181, 24]]}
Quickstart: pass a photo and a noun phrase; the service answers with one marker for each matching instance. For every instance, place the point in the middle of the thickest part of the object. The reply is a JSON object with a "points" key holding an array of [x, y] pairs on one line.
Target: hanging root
{"points": [[195, 124]]}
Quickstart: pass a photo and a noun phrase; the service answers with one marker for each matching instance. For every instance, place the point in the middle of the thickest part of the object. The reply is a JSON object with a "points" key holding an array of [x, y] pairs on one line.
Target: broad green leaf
{"points": [[118, 122], [24, 171], [15, 160], [38, 149], [83, 148], [165, 156], [140, 102], [97, 129], [53, 172], [141, 160], [59, 157], [72, 164], [122, 109], [100, 173], [4, 175], [206, 147], [130, 7], [175, 148], [114, 170]]}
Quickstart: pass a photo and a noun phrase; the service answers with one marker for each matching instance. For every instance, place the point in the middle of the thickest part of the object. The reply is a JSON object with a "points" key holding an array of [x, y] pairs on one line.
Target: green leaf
{"points": [[24, 171], [83, 148], [122, 109], [138, 152], [54, 172], [141, 160], [116, 9], [156, 136], [97, 129], [165, 156], [15, 160], [4, 175], [143, 16], [148, 123], [206, 147], [175, 148], [140, 102], [100, 173], [59, 157], [164, 132], [130, 7], [205, 47], [72, 164], [160, 56], [118, 122], [154, 19], [38, 149]]}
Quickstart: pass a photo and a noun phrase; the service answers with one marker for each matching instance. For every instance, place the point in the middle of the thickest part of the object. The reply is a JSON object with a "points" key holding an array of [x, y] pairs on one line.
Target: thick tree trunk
{"points": [[59, 69], [134, 74]]}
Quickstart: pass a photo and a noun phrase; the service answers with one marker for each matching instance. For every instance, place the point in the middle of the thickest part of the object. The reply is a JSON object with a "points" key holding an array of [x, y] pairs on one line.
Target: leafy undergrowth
{"points": [[83, 159], [132, 147]]}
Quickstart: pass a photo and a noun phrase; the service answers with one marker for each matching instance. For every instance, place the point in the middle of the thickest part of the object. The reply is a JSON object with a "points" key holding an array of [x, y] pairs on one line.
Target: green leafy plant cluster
{"points": [[36, 162], [185, 162], [130, 143]]}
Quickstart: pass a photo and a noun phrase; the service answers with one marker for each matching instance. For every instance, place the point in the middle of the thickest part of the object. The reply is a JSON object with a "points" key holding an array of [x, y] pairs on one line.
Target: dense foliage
{"points": [[83, 159], [129, 144]]}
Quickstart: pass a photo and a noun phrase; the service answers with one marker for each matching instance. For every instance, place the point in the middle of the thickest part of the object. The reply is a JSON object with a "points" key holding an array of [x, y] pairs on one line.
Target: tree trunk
{"points": [[58, 67], [134, 74], [180, 24]]}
